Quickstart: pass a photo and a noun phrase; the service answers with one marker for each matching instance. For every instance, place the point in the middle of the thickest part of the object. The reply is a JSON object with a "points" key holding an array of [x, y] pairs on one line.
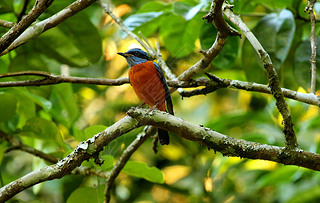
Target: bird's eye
{"points": [[136, 53]]}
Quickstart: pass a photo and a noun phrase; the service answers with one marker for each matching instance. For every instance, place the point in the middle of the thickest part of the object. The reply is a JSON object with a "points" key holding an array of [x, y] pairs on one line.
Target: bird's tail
{"points": [[163, 137]]}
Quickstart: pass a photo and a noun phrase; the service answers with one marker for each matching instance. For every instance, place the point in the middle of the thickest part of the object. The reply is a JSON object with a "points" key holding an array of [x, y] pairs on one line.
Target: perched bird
{"points": [[149, 84]]}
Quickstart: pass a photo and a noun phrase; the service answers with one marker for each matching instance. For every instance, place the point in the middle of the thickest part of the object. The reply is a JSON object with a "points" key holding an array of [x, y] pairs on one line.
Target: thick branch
{"points": [[84, 151], [215, 16], [213, 140], [39, 7], [228, 146], [274, 83], [47, 24]]}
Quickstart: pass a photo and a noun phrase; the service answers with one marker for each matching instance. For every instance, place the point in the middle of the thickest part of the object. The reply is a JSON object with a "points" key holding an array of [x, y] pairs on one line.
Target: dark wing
{"points": [[166, 89]]}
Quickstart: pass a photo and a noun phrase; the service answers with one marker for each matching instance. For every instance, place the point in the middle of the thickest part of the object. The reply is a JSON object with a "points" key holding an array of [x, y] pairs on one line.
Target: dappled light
{"points": [[241, 76]]}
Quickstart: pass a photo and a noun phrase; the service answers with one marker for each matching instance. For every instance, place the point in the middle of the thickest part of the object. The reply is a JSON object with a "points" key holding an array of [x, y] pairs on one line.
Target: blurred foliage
{"points": [[54, 119]]}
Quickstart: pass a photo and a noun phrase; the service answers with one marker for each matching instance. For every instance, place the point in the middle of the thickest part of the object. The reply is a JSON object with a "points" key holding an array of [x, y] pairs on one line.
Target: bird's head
{"points": [[135, 56]]}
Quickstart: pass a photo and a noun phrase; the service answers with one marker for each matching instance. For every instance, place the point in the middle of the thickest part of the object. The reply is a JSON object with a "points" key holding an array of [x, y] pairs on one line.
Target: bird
{"points": [[149, 84]]}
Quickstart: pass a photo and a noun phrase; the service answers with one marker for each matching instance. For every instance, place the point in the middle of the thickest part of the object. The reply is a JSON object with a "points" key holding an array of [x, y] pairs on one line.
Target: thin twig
{"points": [[6, 24], [49, 79], [19, 28], [313, 57], [141, 138], [18, 145], [143, 41], [107, 9], [23, 11], [163, 64], [274, 83], [33, 151], [216, 83]]}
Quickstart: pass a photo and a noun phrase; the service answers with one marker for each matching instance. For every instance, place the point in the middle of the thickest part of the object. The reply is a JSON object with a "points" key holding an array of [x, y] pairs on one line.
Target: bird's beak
{"points": [[123, 54]]}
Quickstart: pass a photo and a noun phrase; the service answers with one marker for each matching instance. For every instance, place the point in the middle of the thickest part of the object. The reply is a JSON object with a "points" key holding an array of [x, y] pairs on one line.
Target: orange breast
{"points": [[147, 84]]}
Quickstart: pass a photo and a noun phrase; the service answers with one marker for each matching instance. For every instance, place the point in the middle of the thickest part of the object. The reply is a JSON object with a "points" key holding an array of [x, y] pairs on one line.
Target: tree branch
{"points": [[18, 145], [211, 85], [33, 151], [49, 79], [215, 16], [84, 151], [82, 170], [107, 9], [224, 30], [228, 146], [39, 7], [6, 24], [47, 24], [216, 83], [141, 138], [313, 58], [274, 83]]}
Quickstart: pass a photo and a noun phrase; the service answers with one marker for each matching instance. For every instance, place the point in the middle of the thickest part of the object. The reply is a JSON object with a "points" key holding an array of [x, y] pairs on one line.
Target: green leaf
{"points": [[280, 28], [302, 63], [26, 108], [179, 35], [3, 147], [311, 194], [78, 134], [244, 6], [135, 21], [92, 130], [229, 53], [141, 170], [272, 4], [187, 9], [8, 106], [4, 66], [65, 108], [154, 6], [6, 6], [252, 66], [147, 19], [42, 129], [27, 59], [84, 36], [87, 195], [108, 162], [282, 174], [44, 103], [56, 45]]}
